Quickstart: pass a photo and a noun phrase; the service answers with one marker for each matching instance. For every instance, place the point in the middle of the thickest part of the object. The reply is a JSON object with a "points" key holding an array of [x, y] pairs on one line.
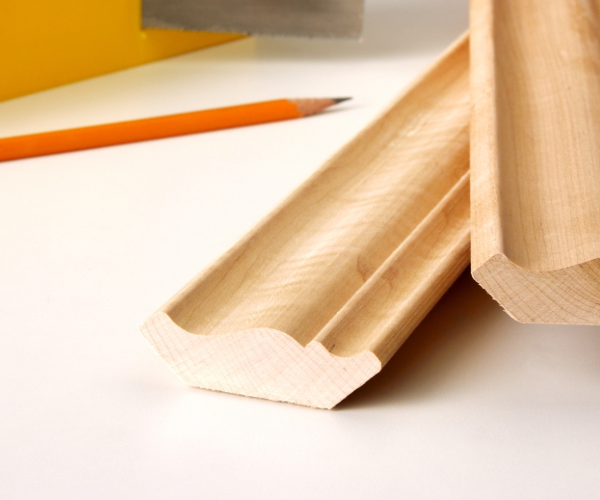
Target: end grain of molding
{"points": [[316, 299], [535, 157]]}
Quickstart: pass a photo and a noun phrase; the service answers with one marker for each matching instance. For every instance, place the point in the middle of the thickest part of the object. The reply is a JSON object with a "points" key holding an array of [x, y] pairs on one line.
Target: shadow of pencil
{"points": [[439, 346]]}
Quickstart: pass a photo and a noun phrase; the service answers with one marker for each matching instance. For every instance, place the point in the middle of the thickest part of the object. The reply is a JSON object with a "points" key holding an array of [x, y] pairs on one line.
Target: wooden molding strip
{"points": [[316, 299], [535, 138]]}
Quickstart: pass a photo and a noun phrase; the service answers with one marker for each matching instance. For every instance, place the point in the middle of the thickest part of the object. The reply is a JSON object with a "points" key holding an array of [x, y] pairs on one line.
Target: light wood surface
{"points": [[110, 134], [535, 158], [317, 298]]}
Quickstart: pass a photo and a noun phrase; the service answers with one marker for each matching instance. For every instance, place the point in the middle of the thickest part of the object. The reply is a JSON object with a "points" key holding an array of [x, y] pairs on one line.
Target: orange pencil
{"points": [[96, 136]]}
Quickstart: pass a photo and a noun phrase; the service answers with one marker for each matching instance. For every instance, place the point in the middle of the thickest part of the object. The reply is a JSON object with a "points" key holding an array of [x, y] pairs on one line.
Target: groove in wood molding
{"points": [[535, 139], [316, 299]]}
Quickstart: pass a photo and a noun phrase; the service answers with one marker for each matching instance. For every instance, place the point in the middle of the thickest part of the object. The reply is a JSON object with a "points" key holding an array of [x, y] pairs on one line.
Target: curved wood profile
{"points": [[317, 298], [535, 138]]}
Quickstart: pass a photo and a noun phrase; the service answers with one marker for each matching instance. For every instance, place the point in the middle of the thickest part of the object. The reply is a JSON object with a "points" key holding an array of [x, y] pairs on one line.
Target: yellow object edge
{"points": [[45, 43]]}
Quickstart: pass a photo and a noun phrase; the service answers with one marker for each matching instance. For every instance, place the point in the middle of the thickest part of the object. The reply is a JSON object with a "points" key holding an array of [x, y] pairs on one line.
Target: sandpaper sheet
{"points": [[306, 18]]}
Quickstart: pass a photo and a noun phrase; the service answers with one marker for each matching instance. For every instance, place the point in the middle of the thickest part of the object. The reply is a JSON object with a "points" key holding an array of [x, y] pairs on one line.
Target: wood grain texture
{"points": [[316, 299], [535, 157]]}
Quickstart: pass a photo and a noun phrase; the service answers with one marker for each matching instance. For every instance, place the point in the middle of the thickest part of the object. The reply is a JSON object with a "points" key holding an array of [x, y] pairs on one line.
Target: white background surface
{"points": [[474, 405]]}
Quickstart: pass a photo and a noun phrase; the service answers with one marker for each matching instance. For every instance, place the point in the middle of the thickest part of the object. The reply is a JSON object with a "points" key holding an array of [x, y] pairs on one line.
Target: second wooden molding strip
{"points": [[316, 299], [536, 157]]}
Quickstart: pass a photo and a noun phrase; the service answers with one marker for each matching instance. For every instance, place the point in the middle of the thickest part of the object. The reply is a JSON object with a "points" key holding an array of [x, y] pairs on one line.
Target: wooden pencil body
{"points": [[535, 83], [317, 298]]}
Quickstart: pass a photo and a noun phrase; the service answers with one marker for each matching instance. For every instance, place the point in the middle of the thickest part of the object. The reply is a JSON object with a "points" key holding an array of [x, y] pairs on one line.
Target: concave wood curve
{"points": [[535, 157], [347, 266], [262, 363]]}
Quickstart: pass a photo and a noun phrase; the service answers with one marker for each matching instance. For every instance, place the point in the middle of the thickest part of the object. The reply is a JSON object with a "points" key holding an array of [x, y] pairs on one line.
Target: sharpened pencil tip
{"points": [[337, 100]]}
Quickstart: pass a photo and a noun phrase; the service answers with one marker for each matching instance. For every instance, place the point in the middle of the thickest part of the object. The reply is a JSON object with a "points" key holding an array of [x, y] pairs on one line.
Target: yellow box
{"points": [[46, 43]]}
